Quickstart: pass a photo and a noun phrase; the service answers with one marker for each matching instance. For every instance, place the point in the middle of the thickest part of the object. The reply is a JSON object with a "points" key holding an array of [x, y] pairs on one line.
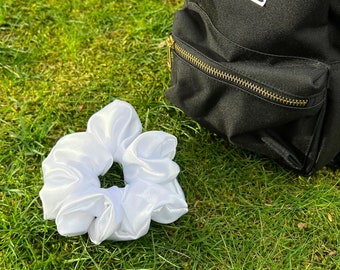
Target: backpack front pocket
{"points": [[273, 105]]}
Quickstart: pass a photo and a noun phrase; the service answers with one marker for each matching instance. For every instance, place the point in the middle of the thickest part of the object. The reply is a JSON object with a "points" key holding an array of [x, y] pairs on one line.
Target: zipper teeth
{"points": [[237, 80]]}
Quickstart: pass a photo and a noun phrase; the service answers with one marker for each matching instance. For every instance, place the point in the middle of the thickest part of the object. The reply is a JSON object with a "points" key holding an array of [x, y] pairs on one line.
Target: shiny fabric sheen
{"points": [[72, 195]]}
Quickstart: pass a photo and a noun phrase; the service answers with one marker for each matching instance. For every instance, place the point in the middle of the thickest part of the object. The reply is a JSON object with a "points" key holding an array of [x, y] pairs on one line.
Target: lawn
{"points": [[60, 62]]}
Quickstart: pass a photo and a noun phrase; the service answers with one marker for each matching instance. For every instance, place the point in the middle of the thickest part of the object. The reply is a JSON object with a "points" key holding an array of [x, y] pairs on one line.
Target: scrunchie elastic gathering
{"points": [[72, 195]]}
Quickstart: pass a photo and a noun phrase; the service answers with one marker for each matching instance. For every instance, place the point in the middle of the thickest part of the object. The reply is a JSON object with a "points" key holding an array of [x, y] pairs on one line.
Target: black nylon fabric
{"points": [[281, 27], [291, 48]]}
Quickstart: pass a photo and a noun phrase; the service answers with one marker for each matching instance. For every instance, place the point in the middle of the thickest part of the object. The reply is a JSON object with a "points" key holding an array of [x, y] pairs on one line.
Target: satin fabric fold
{"points": [[72, 195]]}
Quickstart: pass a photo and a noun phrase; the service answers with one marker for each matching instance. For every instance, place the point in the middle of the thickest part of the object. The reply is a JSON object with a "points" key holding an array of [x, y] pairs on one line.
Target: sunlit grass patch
{"points": [[61, 61]]}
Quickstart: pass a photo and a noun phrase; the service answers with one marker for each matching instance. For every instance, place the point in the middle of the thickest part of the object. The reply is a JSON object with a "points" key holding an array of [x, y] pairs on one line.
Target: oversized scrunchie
{"points": [[72, 195]]}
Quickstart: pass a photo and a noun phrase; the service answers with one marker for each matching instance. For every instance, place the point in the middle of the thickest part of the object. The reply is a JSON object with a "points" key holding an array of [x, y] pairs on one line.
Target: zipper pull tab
{"points": [[170, 46]]}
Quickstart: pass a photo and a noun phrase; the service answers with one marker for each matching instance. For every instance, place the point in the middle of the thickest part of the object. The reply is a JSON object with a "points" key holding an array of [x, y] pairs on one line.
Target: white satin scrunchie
{"points": [[72, 195]]}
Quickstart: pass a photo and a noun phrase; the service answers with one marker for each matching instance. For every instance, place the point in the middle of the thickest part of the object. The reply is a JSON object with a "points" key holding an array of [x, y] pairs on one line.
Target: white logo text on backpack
{"points": [[259, 2]]}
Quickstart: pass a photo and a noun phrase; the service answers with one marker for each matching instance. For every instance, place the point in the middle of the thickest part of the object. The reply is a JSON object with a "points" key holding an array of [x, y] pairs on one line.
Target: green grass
{"points": [[61, 61]]}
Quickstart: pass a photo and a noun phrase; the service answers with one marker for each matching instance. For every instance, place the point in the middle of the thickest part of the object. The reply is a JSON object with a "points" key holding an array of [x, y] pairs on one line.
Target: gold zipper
{"points": [[231, 78]]}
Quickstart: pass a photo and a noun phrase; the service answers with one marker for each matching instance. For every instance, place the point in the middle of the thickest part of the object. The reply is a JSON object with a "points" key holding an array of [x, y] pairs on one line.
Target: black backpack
{"points": [[265, 74]]}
